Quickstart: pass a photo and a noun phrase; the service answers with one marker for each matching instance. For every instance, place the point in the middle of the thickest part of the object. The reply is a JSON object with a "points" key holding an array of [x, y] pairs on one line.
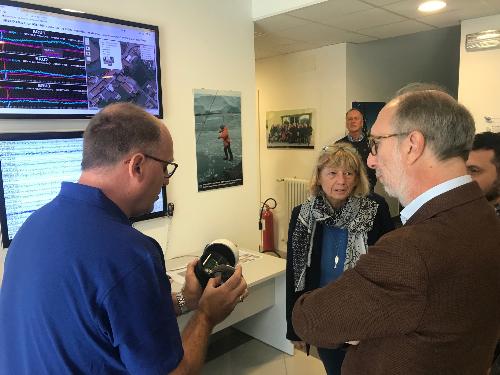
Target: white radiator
{"points": [[296, 192]]}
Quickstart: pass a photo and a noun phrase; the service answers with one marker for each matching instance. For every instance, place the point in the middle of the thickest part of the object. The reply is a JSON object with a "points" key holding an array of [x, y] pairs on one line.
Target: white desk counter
{"points": [[262, 314]]}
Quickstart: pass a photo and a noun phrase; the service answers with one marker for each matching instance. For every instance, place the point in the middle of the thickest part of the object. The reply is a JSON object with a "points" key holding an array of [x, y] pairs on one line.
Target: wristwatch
{"points": [[181, 302]]}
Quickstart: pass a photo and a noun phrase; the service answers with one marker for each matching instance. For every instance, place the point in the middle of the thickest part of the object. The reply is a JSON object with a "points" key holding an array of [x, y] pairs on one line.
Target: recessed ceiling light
{"points": [[431, 6]]}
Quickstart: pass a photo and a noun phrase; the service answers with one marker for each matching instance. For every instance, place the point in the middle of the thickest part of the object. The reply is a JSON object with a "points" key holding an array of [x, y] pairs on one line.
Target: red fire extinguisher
{"points": [[268, 230], [266, 225]]}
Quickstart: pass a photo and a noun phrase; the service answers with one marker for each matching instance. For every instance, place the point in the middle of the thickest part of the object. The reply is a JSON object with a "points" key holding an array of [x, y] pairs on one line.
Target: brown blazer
{"points": [[424, 300]]}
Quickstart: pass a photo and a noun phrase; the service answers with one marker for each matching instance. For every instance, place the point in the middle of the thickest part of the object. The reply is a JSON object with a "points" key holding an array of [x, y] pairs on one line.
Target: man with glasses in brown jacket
{"points": [[424, 300]]}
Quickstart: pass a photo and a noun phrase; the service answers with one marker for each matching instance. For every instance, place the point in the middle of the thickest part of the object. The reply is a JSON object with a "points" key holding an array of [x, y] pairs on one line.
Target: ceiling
{"points": [[357, 21]]}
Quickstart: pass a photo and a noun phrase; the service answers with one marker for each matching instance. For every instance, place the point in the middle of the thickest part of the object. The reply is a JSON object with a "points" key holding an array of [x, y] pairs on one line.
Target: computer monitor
{"points": [[32, 167], [59, 64]]}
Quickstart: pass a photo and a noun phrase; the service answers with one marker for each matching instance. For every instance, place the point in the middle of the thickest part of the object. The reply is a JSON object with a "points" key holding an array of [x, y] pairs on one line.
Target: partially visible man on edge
{"points": [[483, 165], [356, 137], [84, 292], [424, 300]]}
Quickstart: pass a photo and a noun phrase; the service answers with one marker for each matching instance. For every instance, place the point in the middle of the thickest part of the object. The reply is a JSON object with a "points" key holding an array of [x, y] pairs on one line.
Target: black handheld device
{"points": [[218, 259]]}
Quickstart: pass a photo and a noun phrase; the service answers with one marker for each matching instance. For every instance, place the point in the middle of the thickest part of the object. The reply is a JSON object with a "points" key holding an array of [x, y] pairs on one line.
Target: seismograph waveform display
{"points": [[31, 172], [41, 69]]}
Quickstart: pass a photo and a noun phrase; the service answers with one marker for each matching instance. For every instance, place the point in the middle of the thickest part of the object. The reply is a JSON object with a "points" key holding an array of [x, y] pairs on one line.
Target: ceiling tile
{"points": [[409, 8], [281, 50], [368, 18], [276, 23], [396, 29], [299, 46], [381, 2], [453, 17], [494, 4], [463, 4], [360, 38], [261, 54], [330, 9], [273, 40], [317, 33], [442, 19]]}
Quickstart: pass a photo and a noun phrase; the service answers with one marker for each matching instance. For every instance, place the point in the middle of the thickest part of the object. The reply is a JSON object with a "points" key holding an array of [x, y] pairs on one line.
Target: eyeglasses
{"points": [[168, 166], [373, 144]]}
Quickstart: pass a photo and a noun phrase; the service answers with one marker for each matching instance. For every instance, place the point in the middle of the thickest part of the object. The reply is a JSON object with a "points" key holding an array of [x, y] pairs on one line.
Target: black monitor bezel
{"points": [[153, 215], [93, 17], [55, 135]]}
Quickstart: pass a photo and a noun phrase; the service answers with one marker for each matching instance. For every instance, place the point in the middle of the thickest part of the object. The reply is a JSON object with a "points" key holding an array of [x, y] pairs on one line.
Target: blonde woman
{"points": [[331, 230]]}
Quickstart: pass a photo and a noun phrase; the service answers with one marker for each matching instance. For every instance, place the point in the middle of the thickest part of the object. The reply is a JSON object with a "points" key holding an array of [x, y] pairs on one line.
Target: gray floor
{"points": [[234, 353]]}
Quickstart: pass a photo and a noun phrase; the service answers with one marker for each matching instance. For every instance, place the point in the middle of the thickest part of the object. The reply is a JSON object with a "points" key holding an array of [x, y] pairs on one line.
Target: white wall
{"points": [[480, 75], [310, 79], [204, 44]]}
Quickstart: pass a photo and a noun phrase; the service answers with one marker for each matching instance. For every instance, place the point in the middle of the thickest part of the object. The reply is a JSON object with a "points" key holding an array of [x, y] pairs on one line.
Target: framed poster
{"points": [[290, 129], [218, 138]]}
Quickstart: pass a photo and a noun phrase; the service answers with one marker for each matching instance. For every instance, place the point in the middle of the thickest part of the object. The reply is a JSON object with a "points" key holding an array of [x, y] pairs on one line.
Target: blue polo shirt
{"points": [[85, 293]]}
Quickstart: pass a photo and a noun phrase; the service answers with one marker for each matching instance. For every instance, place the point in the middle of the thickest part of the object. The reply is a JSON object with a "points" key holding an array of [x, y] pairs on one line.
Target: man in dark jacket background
{"points": [[359, 140]]}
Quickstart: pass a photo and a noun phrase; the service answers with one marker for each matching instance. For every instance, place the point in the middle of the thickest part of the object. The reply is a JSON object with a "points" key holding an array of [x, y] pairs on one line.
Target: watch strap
{"points": [[181, 302]]}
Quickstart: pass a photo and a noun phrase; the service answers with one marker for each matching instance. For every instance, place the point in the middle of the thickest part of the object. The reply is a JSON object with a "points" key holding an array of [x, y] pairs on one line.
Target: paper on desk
{"points": [[177, 276]]}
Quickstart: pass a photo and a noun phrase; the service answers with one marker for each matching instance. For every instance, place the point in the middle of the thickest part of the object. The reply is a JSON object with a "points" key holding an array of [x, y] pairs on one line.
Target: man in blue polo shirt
{"points": [[84, 292]]}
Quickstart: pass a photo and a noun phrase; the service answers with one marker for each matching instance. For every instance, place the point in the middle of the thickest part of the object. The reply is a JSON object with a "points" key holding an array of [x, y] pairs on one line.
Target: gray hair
{"points": [[420, 86], [354, 109], [117, 130], [448, 127]]}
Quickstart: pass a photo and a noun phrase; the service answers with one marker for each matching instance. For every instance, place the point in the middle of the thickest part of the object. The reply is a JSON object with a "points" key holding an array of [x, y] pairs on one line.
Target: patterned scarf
{"points": [[357, 216]]}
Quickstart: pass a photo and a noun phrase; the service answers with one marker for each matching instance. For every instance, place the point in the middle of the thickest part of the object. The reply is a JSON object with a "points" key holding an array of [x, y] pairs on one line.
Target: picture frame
{"points": [[290, 129]]}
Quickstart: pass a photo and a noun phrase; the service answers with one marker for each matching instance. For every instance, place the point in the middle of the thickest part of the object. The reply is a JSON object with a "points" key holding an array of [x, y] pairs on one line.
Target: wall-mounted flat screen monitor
{"points": [[58, 64], [32, 167]]}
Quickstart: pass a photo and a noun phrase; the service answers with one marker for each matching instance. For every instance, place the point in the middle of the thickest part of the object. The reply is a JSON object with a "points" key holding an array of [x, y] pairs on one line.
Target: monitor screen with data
{"points": [[58, 64], [32, 167]]}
